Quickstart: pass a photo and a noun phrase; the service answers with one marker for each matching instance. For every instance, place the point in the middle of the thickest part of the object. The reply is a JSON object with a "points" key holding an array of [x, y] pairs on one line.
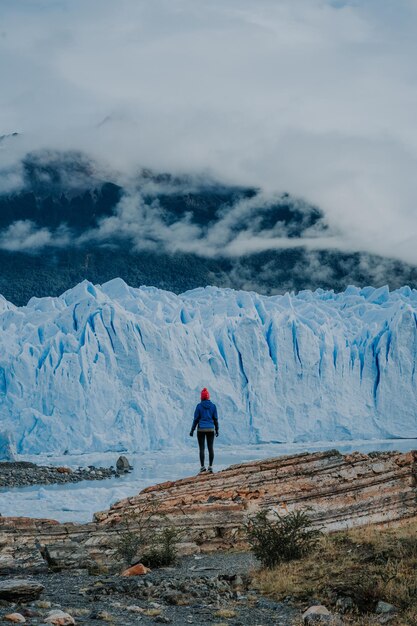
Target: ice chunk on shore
{"points": [[7, 447]]}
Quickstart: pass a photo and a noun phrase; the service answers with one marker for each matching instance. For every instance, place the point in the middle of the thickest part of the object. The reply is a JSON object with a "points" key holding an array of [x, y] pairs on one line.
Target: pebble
{"points": [[29, 613], [15, 618], [134, 609], [60, 618], [43, 604]]}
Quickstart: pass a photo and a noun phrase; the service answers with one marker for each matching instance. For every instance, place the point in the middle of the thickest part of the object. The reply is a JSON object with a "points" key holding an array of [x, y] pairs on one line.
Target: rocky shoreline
{"points": [[78, 566], [23, 473], [339, 491], [200, 590], [203, 590]]}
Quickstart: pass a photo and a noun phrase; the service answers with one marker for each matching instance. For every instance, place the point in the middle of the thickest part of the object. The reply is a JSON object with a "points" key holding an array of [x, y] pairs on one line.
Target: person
{"points": [[207, 423]]}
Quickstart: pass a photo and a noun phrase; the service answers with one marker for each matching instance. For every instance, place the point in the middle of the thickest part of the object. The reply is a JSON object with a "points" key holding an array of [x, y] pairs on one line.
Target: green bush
{"points": [[282, 538], [163, 550], [127, 547], [136, 535]]}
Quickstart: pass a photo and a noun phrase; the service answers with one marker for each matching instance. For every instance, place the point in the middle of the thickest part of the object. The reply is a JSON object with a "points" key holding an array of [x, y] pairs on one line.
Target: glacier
{"points": [[111, 367]]}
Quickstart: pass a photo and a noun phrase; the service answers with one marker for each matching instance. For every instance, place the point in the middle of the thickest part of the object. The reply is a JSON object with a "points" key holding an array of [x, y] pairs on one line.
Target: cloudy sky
{"points": [[317, 98]]}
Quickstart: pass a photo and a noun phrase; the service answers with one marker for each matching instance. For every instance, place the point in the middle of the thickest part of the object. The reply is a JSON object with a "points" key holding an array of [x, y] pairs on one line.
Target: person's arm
{"points": [[196, 419], [216, 421]]}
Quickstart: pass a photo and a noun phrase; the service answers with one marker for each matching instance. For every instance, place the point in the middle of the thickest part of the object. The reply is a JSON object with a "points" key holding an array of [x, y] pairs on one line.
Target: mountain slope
{"points": [[67, 222]]}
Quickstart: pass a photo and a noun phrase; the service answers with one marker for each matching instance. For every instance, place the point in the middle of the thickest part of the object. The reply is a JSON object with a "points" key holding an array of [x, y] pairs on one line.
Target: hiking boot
{"points": [[202, 469], [210, 469]]}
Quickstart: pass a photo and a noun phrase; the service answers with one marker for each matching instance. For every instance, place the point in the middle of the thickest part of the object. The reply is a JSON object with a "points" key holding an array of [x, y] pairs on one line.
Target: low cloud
{"points": [[316, 98], [26, 236], [146, 225], [142, 222]]}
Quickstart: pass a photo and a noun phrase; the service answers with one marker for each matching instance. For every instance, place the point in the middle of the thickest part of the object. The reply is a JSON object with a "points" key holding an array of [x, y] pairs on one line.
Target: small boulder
{"points": [[64, 470], [386, 612], [317, 610], [345, 604], [20, 590], [382, 608], [320, 615], [15, 618], [122, 464], [136, 570], [133, 608], [59, 618]]}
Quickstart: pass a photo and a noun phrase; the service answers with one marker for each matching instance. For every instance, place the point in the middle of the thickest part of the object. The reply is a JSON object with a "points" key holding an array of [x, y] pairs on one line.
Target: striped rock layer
{"points": [[338, 491]]}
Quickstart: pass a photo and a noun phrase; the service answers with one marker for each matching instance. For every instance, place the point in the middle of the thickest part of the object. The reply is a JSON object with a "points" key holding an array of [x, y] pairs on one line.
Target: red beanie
{"points": [[205, 394]]}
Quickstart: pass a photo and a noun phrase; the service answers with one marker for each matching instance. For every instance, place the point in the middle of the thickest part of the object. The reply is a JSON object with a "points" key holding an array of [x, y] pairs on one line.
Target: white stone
{"points": [[59, 618], [317, 614]]}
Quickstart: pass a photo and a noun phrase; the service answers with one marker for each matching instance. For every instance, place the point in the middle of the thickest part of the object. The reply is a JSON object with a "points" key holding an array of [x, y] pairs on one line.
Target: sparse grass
{"points": [[367, 565]]}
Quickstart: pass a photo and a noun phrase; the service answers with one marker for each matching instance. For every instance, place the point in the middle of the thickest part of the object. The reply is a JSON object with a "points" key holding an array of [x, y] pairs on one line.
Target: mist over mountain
{"points": [[68, 221], [239, 104]]}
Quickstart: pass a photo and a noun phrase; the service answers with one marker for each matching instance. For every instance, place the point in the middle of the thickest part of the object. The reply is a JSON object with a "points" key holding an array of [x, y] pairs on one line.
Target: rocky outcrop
{"points": [[20, 590], [340, 491]]}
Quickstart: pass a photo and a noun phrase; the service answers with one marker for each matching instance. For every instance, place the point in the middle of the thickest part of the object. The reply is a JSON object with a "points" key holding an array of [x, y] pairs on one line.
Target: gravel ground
{"points": [[201, 590]]}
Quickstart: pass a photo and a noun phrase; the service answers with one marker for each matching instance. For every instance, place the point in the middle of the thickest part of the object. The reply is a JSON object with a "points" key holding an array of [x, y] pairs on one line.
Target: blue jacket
{"points": [[205, 416]]}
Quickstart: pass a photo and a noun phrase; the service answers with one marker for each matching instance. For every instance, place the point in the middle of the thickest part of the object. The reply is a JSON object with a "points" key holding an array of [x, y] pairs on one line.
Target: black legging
{"points": [[201, 436]]}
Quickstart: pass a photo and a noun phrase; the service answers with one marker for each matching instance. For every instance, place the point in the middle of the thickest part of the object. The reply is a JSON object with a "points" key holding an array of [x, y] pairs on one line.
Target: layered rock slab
{"points": [[20, 590], [339, 491]]}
